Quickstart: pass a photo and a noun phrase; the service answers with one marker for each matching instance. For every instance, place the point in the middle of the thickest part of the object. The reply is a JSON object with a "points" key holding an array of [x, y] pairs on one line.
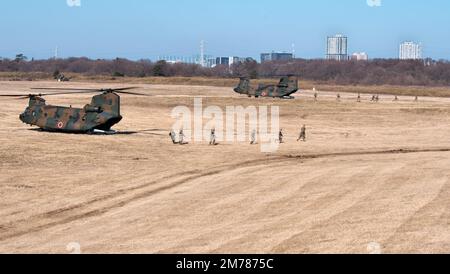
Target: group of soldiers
{"points": [[301, 137], [173, 137], [212, 140], [181, 137], [375, 98]]}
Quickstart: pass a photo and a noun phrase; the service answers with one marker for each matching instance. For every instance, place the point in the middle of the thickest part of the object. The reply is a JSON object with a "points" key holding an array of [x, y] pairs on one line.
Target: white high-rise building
{"points": [[337, 48], [360, 56], [410, 51]]}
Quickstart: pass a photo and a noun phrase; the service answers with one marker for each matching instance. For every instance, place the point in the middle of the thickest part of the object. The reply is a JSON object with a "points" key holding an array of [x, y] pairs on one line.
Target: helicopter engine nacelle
{"points": [[92, 109]]}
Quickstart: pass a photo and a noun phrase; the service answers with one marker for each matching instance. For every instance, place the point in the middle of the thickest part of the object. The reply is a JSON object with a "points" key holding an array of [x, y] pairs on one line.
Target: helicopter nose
{"points": [[22, 117]]}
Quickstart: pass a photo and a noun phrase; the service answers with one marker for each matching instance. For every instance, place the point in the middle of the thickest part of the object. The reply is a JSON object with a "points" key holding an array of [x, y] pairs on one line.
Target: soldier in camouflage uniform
{"points": [[302, 136], [181, 141], [173, 136], [280, 136], [212, 139]]}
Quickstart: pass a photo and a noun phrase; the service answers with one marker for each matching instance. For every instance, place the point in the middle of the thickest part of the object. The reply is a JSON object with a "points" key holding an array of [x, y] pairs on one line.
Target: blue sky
{"points": [[146, 28]]}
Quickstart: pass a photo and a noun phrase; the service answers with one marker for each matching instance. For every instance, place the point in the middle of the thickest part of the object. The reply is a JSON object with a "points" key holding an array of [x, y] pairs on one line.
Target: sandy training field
{"points": [[371, 178]]}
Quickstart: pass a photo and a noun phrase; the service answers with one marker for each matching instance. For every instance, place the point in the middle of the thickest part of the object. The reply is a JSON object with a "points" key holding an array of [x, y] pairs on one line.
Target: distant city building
{"points": [[429, 62], [276, 56], [223, 61], [360, 56], [209, 61], [229, 61], [195, 59], [410, 51], [337, 48]]}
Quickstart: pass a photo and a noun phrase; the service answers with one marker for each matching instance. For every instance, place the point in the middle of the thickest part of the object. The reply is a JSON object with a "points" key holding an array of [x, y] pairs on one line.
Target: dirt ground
{"points": [[371, 178]]}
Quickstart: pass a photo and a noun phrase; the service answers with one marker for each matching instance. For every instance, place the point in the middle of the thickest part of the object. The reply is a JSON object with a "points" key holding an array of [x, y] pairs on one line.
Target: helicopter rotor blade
{"points": [[123, 89], [13, 95], [71, 91], [116, 90], [66, 93], [18, 96], [133, 93], [67, 89], [26, 96], [88, 89]]}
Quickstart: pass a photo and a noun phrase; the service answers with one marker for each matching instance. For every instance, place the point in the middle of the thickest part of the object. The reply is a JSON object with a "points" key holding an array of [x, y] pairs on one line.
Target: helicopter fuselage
{"points": [[288, 85], [102, 114]]}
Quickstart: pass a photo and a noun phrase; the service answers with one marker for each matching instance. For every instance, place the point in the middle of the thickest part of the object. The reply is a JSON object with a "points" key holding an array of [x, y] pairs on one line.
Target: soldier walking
{"points": [[181, 137], [315, 96], [302, 136], [212, 139], [280, 136], [359, 98], [396, 98], [173, 136], [253, 137]]}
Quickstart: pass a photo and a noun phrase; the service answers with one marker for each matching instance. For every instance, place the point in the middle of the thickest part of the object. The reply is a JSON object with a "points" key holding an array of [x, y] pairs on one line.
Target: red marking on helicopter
{"points": [[60, 125]]}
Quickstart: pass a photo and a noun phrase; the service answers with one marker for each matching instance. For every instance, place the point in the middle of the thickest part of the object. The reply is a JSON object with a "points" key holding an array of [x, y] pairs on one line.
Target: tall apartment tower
{"points": [[410, 51], [337, 48]]}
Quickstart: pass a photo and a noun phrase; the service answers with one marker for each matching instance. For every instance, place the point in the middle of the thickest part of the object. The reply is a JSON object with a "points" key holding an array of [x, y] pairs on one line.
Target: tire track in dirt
{"points": [[45, 220], [335, 225], [435, 213], [42, 218], [252, 214], [368, 153], [311, 212]]}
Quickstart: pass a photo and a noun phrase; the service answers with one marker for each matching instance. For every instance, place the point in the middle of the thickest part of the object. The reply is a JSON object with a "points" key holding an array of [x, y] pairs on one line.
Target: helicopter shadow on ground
{"points": [[145, 131], [125, 132]]}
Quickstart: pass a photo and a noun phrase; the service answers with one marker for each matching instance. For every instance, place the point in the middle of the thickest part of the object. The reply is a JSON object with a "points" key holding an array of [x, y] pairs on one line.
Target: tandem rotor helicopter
{"points": [[287, 86], [97, 117]]}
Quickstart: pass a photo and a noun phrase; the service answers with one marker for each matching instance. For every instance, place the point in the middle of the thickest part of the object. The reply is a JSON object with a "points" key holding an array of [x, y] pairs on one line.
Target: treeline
{"points": [[374, 72]]}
